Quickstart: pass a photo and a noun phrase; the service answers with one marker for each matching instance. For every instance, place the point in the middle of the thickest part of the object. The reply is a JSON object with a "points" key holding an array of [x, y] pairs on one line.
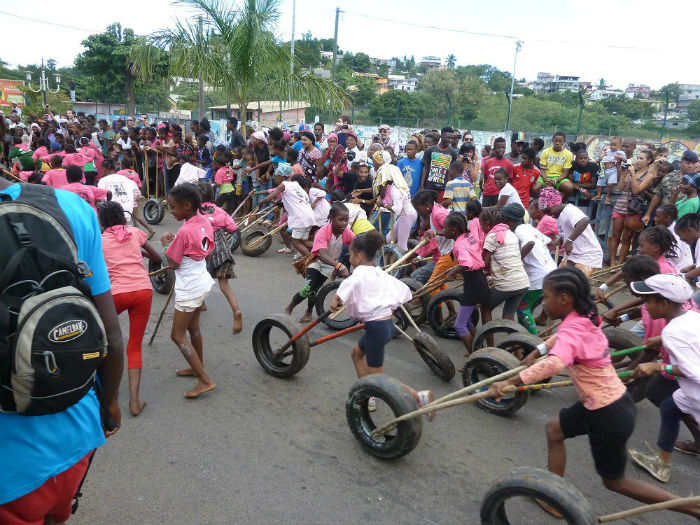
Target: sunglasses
{"points": [[468, 139]]}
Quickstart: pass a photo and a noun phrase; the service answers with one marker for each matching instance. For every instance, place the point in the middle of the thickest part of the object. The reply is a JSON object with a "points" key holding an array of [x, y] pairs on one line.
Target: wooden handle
{"points": [[260, 239], [670, 504], [162, 270], [406, 255]]}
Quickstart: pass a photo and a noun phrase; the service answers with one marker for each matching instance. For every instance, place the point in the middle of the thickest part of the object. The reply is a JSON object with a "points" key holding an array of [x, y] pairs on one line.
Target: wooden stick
{"points": [[162, 270], [603, 271], [432, 280], [429, 288], [160, 317], [664, 505], [241, 205], [268, 234], [613, 291], [549, 329], [12, 175]]}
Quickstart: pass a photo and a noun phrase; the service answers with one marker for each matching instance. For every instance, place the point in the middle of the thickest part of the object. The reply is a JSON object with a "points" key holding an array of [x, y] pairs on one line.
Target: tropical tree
{"points": [[238, 53], [602, 84], [451, 61]]}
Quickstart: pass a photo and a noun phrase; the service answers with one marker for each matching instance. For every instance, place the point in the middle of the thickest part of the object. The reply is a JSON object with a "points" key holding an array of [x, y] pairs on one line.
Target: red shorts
{"points": [[54, 499], [618, 215]]}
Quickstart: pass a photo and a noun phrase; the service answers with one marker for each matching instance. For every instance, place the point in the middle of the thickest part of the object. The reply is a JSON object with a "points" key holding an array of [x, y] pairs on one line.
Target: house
{"points": [[266, 112], [381, 82], [642, 91], [600, 94], [402, 83], [688, 93], [430, 62], [548, 83]]}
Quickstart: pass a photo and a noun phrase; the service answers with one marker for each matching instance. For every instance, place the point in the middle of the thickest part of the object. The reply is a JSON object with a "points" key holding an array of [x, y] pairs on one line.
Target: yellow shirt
{"points": [[553, 162]]}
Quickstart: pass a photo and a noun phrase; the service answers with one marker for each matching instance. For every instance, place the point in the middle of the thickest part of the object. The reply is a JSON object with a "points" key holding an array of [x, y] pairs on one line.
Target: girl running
{"points": [[131, 287], [370, 295], [186, 253], [605, 412], [393, 193], [327, 247], [220, 262]]}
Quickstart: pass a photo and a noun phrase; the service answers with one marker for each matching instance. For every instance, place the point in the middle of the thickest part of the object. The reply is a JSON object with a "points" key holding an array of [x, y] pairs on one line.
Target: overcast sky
{"points": [[624, 41]]}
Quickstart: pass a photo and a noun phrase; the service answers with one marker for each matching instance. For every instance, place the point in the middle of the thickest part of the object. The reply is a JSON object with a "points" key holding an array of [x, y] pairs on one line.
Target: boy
{"points": [[555, 161], [664, 295], [583, 175], [611, 162], [293, 159], [411, 166], [90, 194], [56, 176], [689, 186], [458, 190], [489, 196], [525, 175]]}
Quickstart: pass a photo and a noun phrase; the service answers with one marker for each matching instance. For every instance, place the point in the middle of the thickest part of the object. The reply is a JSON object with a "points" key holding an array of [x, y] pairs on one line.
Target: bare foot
{"points": [[549, 509], [608, 202], [288, 311], [199, 389], [237, 322], [151, 233], [203, 308], [187, 372], [306, 318], [137, 407]]}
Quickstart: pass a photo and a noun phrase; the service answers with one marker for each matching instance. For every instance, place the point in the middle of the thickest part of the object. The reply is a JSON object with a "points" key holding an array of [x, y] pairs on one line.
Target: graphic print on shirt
{"points": [[439, 164]]}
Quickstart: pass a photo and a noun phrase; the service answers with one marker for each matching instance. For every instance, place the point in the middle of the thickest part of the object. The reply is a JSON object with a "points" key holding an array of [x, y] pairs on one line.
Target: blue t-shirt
{"points": [[298, 145], [36, 448], [412, 171]]}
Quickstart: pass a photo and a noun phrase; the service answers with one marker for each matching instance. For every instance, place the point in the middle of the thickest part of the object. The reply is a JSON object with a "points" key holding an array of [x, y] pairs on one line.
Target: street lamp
{"points": [[43, 82]]}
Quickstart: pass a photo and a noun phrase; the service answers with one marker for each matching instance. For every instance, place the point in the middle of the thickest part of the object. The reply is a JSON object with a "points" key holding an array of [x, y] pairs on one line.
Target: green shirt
{"points": [[687, 205]]}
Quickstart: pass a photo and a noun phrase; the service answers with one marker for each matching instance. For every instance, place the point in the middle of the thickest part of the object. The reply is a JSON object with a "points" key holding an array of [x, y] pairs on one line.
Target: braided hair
{"points": [[663, 238], [110, 213], [457, 221], [689, 221], [491, 216], [187, 193], [572, 281]]}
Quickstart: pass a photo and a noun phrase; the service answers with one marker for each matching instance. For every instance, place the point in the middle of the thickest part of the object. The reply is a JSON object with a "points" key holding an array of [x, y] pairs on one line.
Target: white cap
{"points": [[669, 286]]}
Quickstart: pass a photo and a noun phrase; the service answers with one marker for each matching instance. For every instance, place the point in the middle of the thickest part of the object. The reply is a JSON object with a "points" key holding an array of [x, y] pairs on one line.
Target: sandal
{"points": [[687, 447], [285, 250]]}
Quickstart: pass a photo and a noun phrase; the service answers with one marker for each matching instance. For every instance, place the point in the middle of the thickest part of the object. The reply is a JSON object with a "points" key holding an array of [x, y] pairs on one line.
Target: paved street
{"points": [[265, 450]]}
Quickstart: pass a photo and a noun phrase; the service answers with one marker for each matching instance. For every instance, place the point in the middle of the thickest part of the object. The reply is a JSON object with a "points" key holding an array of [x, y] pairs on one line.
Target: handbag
{"points": [[635, 205]]}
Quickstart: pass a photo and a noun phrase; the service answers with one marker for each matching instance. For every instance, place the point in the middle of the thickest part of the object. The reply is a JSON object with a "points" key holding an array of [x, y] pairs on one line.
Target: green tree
{"points": [[413, 106], [602, 84], [51, 64], [366, 90], [362, 64], [439, 82], [694, 110], [451, 61], [673, 90]]}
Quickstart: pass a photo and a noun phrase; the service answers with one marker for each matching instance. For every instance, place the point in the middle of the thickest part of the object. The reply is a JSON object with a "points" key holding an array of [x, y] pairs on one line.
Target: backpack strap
{"points": [[44, 198]]}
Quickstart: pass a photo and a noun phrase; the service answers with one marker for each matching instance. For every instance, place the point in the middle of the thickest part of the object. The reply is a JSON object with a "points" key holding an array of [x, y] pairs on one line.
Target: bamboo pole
{"points": [[664, 505], [268, 234], [162, 312]]}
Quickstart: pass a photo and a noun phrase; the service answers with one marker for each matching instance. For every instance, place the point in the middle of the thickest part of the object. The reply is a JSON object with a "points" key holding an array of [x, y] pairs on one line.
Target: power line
{"points": [[47, 22]]}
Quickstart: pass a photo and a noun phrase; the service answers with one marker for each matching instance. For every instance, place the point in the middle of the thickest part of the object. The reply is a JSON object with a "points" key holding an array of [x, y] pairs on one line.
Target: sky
{"points": [[623, 41]]}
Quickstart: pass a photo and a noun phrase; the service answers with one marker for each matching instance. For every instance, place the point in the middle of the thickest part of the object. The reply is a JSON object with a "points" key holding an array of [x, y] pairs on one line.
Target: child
{"points": [[583, 177], [666, 216], [458, 190], [579, 241], [220, 262], [21, 153], [319, 204], [691, 202], [525, 176], [502, 259], [123, 190], [128, 170], [664, 296], [56, 176], [555, 162], [131, 287], [489, 194], [224, 180], [293, 159], [186, 253], [537, 261], [393, 193], [90, 194], [605, 412], [611, 162], [507, 193], [688, 229], [204, 155], [467, 252], [411, 167], [327, 247], [189, 173], [370, 295]]}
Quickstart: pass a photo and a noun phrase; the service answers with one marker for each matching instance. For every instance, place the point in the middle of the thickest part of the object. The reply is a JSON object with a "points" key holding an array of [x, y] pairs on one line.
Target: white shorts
{"points": [[190, 305], [301, 233]]}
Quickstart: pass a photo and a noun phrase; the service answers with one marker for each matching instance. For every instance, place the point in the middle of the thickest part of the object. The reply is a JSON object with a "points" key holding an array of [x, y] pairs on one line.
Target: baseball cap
{"points": [[669, 286], [384, 126], [689, 156], [518, 136], [304, 127]]}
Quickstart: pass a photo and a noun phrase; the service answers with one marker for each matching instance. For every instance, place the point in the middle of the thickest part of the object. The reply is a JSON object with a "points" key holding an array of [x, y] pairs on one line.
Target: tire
{"points": [[326, 294], [252, 236], [162, 283], [489, 362], [530, 482], [497, 326], [153, 211], [400, 441], [416, 307], [620, 339], [515, 341], [235, 240], [389, 254], [439, 362], [263, 351], [434, 306]]}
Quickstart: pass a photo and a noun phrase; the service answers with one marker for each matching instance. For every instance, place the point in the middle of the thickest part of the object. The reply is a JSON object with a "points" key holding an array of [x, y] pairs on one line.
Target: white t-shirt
{"points": [[322, 207], [507, 267], [681, 341], [538, 263], [371, 293], [684, 258], [296, 203], [190, 174], [509, 191], [587, 250], [124, 191]]}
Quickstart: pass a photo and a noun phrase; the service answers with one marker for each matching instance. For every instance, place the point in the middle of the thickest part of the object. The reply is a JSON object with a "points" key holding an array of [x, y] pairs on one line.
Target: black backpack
{"points": [[52, 340]]}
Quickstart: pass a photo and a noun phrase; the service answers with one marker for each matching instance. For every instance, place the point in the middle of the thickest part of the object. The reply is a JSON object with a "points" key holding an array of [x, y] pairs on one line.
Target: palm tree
{"points": [[602, 84], [238, 53], [451, 61]]}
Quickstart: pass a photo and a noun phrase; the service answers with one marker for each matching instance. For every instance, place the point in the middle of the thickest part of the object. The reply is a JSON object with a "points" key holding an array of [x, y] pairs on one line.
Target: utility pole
{"points": [[201, 83], [335, 43], [518, 46], [663, 127], [291, 61], [580, 111]]}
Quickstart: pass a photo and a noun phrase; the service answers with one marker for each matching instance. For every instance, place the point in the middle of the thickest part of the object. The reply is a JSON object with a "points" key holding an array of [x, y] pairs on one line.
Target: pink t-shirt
{"points": [[77, 159], [324, 236], [548, 226], [55, 178], [40, 152], [127, 272], [89, 194], [437, 221], [194, 239], [665, 266], [476, 231], [47, 158], [589, 364], [467, 252], [219, 218], [224, 175], [131, 175]]}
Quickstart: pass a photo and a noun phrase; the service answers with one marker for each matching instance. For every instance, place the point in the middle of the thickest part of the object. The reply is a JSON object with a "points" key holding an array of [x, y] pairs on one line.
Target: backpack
{"points": [[52, 340]]}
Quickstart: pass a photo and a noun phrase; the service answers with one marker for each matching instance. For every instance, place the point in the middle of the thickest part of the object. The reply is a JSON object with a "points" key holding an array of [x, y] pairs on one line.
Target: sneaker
{"points": [[653, 465], [687, 447], [425, 397], [372, 404], [285, 250], [297, 256]]}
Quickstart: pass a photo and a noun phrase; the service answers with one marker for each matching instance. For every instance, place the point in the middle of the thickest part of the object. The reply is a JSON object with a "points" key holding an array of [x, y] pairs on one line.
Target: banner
{"points": [[11, 91]]}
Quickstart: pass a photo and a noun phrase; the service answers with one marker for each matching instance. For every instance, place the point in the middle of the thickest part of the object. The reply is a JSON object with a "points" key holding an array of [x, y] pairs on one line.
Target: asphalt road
{"points": [[266, 450]]}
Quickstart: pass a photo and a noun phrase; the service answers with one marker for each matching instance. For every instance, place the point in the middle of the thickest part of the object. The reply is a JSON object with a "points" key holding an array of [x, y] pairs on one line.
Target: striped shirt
{"points": [[459, 191]]}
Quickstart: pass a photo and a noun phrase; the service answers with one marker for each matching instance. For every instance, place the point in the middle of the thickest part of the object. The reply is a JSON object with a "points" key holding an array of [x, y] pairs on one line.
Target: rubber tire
{"points": [[420, 317], [439, 362], [334, 324], [262, 350], [235, 241], [401, 401], [390, 253], [540, 484], [528, 341], [495, 361], [431, 312], [621, 339], [496, 326], [153, 211], [162, 283], [249, 238]]}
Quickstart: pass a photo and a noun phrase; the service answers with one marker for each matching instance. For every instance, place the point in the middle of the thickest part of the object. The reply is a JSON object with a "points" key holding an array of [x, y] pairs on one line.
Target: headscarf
{"points": [[513, 212], [332, 135], [284, 169], [549, 197], [120, 232], [389, 173], [381, 157], [259, 135]]}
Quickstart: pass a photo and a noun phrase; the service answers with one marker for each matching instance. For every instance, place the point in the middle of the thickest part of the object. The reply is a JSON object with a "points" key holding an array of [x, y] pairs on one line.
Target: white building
{"points": [[430, 62], [600, 94], [548, 83], [402, 83], [688, 93]]}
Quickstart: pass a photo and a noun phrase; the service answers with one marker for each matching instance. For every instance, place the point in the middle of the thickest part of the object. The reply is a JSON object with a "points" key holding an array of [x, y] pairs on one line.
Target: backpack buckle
{"points": [[22, 234], [50, 362], [84, 270]]}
